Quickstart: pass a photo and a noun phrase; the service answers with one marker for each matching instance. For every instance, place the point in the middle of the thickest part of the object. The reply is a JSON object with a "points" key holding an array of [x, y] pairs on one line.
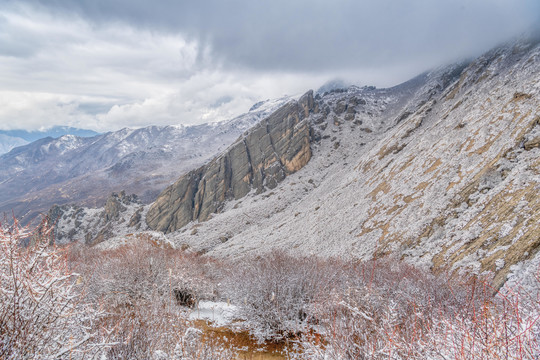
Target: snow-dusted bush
{"points": [[136, 283], [140, 272], [41, 313], [394, 311], [276, 292]]}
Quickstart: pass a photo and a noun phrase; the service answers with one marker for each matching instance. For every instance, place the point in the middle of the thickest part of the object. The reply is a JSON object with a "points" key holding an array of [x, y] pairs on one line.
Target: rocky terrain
{"points": [[442, 171], [274, 148], [85, 170]]}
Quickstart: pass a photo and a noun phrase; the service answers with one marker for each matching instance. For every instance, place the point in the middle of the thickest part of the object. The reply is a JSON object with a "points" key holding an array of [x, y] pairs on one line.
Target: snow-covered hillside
{"points": [[442, 171], [9, 142]]}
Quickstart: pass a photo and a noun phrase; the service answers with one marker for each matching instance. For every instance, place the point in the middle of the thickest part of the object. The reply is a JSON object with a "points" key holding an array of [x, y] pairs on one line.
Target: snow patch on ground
{"points": [[217, 313]]}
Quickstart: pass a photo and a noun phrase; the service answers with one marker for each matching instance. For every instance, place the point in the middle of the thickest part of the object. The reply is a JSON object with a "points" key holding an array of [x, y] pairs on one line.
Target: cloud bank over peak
{"points": [[109, 64]]}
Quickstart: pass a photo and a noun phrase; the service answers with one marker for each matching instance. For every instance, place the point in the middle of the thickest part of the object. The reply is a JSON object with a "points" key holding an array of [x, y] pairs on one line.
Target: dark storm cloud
{"points": [[322, 35]]}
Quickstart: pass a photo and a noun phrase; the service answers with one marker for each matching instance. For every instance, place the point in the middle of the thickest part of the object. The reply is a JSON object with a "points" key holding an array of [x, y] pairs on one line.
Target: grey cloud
{"points": [[322, 35], [14, 45], [106, 64], [222, 101]]}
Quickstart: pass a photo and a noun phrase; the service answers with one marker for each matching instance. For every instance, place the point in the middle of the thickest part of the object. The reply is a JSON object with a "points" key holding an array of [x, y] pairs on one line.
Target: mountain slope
{"points": [[9, 142], [442, 171], [86, 170], [54, 132], [449, 179], [274, 148]]}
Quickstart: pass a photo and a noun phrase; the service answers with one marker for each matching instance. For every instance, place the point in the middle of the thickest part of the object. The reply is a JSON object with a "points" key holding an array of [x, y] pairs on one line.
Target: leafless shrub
{"points": [[394, 311], [140, 272], [137, 285], [41, 313], [275, 292]]}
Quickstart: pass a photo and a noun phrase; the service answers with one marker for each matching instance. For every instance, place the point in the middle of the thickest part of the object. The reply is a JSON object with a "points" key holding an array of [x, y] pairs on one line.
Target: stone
{"points": [[276, 147], [115, 205], [135, 220], [532, 143], [341, 107]]}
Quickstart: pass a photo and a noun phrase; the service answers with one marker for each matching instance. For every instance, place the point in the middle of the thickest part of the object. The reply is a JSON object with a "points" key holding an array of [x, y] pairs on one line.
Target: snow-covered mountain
{"points": [[86, 170], [9, 142], [54, 132], [442, 171]]}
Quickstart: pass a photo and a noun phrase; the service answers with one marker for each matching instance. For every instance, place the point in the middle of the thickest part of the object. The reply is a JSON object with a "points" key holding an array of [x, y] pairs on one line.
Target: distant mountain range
{"points": [[9, 142], [72, 168], [10, 139]]}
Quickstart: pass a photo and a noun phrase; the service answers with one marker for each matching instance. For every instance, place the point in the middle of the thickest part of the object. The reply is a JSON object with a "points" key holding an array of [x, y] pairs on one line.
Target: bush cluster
{"points": [[133, 302]]}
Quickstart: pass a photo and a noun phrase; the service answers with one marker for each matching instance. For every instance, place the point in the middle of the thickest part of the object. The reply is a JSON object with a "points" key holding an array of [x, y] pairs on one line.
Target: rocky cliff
{"points": [[443, 174], [276, 147], [92, 226], [442, 171]]}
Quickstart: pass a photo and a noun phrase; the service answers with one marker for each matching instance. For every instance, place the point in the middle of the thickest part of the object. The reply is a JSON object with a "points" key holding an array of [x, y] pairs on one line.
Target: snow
{"points": [[421, 186], [9, 142], [217, 313]]}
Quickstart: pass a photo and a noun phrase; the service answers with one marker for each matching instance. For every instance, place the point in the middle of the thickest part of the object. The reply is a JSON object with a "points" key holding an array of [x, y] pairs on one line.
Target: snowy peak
{"points": [[9, 142], [87, 169]]}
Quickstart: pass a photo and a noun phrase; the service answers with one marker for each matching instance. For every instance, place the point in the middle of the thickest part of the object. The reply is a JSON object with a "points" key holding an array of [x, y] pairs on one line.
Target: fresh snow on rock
{"points": [[442, 171]]}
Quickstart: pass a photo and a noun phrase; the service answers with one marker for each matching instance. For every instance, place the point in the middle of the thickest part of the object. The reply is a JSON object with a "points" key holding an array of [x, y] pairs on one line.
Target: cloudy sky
{"points": [[108, 64]]}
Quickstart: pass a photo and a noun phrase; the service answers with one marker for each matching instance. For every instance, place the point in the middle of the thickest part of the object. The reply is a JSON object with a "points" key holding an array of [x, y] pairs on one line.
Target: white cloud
{"points": [[108, 77], [93, 66]]}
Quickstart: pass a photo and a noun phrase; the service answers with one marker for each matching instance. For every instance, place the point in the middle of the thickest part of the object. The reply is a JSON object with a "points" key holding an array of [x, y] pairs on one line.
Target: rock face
{"points": [[276, 147], [92, 226], [115, 205]]}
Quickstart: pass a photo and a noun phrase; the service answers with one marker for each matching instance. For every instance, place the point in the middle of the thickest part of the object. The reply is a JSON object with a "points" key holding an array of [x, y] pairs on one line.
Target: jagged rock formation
{"points": [[93, 226], [116, 203], [274, 148]]}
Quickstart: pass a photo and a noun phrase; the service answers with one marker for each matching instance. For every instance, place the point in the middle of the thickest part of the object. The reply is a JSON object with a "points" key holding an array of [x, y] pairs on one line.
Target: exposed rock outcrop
{"points": [[92, 226], [273, 149], [116, 204]]}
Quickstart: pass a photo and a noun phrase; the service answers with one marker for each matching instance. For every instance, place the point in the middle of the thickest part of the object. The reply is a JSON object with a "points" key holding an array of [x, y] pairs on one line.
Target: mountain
{"points": [[54, 132], [442, 171], [86, 170], [10, 139], [274, 148], [9, 142]]}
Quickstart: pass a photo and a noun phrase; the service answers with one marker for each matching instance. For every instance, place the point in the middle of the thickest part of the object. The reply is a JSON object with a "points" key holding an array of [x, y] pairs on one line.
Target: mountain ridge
{"points": [[86, 170], [442, 172]]}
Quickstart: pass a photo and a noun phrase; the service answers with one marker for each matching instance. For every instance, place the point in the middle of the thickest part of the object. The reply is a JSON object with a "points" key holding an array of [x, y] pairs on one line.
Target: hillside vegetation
{"points": [[141, 300]]}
